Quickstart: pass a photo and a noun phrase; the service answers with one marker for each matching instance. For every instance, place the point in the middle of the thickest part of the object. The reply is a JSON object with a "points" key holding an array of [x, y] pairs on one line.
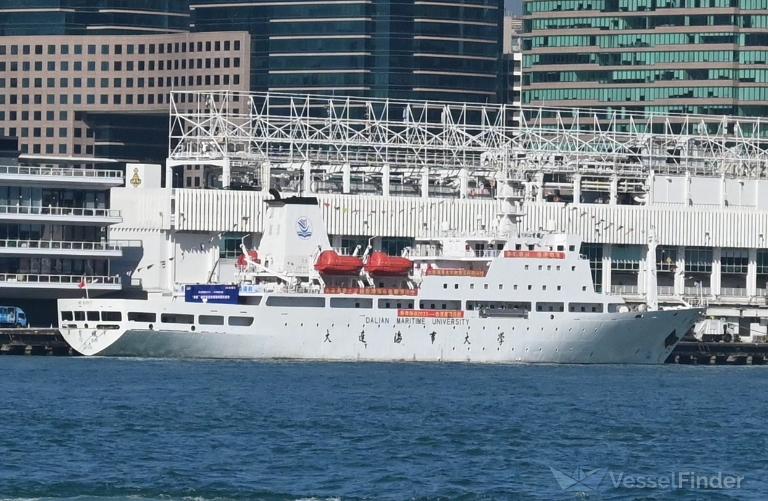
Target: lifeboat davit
{"points": [[331, 263], [380, 264], [242, 263]]}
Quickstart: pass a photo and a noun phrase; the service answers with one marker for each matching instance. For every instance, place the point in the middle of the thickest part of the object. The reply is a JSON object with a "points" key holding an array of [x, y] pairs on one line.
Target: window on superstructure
{"points": [[296, 301], [111, 316], [526, 266], [93, 315], [547, 306], [177, 318], [445, 286], [455, 286], [485, 286], [501, 286], [543, 287], [141, 316], [530, 287], [80, 315], [530, 247], [66, 315], [210, 320], [518, 246], [571, 248], [540, 267], [561, 247], [559, 287], [240, 321]]}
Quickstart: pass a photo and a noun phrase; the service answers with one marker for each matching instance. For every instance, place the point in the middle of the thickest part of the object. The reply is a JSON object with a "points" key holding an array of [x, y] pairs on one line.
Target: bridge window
{"points": [[80, 316], [141, 316], [93, 315], [67, 315]]}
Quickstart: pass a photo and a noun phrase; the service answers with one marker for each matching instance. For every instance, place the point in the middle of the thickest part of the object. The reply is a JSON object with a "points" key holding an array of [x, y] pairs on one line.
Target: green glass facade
{"points": [[665, 56], [407, 49], [92, 17]]}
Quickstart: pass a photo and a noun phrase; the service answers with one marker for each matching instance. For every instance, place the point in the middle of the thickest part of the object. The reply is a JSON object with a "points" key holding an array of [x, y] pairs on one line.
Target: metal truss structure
{"points": [[446, 140]]}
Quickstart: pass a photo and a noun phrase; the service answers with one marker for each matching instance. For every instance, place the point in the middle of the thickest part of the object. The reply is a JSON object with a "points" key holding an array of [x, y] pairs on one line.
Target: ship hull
{"points": [[383, 335]]}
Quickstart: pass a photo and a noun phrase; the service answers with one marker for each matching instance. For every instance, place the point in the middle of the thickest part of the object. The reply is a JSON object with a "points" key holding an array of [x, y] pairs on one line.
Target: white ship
{"points": [[520, 298]]}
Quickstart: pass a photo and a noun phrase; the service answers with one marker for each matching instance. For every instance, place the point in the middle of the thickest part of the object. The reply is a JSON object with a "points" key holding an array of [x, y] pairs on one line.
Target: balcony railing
{"points": [[624, 289], [33, 210], [113, 245], [696, 291], [31, 278], [20, 170]]}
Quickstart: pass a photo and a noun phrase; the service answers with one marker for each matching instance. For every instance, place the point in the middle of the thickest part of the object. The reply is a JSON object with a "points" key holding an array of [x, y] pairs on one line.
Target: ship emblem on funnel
{"points": [[303, 228]]}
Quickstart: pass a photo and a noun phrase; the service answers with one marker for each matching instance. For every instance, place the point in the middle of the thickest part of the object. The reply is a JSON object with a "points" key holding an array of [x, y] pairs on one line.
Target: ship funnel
{"points": [[294, 233]]}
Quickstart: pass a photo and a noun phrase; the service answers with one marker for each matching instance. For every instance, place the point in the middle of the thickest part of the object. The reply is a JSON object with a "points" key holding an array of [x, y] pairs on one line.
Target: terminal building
{"points": [[677, 215], [708, 57]]}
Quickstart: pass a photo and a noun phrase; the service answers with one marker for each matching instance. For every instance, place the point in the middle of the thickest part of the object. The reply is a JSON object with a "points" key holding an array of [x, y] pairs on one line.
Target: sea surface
{"points": [[110, 429]]}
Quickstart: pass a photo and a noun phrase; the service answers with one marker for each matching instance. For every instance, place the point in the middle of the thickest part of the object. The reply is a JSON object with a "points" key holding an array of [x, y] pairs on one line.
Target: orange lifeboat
{"points": [[331, 263], [242, 263], [380, 264]]}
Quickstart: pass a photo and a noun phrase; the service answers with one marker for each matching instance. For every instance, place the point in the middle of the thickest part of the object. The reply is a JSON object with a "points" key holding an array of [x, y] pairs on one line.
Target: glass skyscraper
{"points": [[679, 56], [92, 17], [407, 49]]}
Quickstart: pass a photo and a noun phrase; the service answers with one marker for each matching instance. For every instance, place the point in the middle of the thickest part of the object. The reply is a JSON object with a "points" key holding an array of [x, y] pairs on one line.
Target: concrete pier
{"points": [[699, 353], [33, 342]]}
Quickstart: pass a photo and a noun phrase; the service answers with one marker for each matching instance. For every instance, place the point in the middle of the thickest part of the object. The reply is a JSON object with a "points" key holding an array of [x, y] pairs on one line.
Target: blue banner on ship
{"points": [[226, 294]]}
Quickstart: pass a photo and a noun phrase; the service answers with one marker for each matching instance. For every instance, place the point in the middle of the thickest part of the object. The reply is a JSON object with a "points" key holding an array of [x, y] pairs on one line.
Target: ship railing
{"points": [[665, 290], [487, 253], [696, 291], [21, 170], [624, 289], [111, 245], [35, 210], [733, 291], [761, 292], [22, 277]]}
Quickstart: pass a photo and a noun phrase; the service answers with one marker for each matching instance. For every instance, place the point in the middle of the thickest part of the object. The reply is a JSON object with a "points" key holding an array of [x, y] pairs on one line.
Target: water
{"points": [[75, 428]]}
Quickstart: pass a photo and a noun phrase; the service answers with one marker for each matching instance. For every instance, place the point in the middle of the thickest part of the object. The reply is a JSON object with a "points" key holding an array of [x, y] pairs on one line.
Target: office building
{"points": [[402, 50], [92, 17], [708, 57], [512, 61], [96, 99]]}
